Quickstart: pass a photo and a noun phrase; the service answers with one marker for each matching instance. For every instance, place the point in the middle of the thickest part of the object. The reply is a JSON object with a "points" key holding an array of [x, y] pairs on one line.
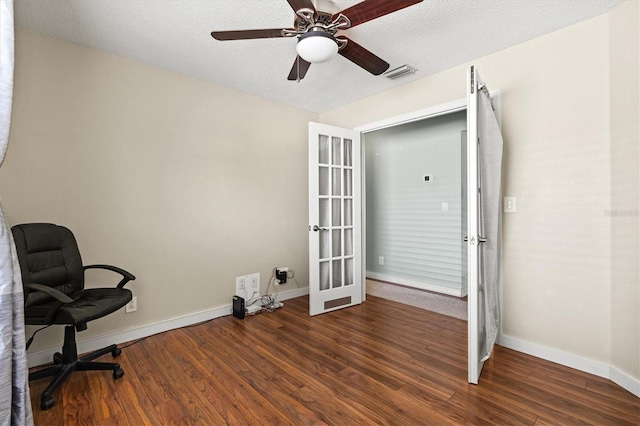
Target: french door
{"points": [[335, 221], [335, 216], [475, 334], [484, 154]]}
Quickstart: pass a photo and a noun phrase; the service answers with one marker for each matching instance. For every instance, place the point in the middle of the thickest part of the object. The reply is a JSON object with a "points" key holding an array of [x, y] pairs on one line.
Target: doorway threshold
{"points": [[446, 305]]}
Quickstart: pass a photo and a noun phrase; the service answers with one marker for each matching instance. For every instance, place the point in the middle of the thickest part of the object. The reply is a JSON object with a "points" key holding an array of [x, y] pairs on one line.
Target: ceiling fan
{"points": [[316, 24]]}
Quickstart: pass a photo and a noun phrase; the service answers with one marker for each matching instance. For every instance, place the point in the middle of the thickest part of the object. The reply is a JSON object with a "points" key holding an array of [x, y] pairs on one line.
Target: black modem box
{"points": [[238, 307]]}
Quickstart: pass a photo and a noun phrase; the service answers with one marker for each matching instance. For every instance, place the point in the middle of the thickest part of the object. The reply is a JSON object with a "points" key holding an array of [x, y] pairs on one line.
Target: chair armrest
{"points": [[56, 294], [126, 276]]}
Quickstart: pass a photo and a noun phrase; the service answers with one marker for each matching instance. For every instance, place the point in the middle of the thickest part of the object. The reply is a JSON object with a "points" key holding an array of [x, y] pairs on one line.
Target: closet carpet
{"points": [[446, 305]]}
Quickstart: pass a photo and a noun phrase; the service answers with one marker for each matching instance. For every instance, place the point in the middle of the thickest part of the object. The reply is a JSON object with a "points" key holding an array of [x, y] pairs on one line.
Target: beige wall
{"points": [[175, 179], [183, 183], [558, 251], [625, 202]]}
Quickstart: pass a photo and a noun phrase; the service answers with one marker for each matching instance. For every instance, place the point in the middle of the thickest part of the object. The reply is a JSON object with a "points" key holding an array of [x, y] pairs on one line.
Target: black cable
{"points": [[133, 342], [30, 341], [138, 341]]}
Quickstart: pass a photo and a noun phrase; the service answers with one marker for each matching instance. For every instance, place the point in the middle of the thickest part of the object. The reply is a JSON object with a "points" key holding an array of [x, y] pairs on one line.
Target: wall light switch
{"points": [[509, 204], [445, 207]]}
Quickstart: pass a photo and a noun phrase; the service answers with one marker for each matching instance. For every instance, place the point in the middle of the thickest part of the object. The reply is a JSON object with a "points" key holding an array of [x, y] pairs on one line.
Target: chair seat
{"points": [[92, 303], [87, 305]]}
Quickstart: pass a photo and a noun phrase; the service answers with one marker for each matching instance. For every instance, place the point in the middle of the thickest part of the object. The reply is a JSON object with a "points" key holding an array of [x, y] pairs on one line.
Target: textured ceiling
{"points": [[175, 34]]}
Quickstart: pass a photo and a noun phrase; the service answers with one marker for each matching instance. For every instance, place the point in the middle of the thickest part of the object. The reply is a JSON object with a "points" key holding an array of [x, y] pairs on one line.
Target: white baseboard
{"points": [[624, 380], [45, 356], [457, 292], [597, 368], [573, 361]]}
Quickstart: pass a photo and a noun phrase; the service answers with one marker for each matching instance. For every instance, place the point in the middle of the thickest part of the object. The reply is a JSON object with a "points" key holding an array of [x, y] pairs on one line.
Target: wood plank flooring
{"points": [[378, 363]]}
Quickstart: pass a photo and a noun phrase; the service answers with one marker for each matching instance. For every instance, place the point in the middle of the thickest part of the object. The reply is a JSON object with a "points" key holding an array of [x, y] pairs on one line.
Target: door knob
{"points": [[316, 228]]}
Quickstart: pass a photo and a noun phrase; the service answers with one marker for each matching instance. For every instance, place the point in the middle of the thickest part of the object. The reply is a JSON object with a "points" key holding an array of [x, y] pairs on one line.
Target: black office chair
{"points": [[54, 293]]}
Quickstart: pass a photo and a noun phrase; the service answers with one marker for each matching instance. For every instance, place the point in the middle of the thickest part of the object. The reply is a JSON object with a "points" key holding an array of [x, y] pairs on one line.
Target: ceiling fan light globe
{"points": [[315, 47]]}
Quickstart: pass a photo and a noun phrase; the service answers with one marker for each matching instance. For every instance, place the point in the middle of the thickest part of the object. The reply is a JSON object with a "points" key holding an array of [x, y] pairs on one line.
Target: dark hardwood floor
{"points": [[378, 363]]}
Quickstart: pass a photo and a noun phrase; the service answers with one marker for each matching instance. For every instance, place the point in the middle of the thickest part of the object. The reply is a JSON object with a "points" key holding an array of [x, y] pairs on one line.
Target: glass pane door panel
{"points": [[348, 242], [336, 215], [347, 183], [324, 276], [336, 151], [334, 199], [323, 149], [325, 252], [324, 213], [348, 152], [336, 243], [336, 179], [348, 271], [323, 181], [337, 273], [348, 213]]}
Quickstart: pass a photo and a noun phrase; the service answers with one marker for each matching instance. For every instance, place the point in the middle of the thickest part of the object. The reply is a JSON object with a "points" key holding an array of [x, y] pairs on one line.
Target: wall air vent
{"points": [[400, 71]]}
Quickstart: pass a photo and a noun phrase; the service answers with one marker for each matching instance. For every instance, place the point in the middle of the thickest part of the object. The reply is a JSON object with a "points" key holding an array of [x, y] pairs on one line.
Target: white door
{"points": [[335, 216], [475, 325]]}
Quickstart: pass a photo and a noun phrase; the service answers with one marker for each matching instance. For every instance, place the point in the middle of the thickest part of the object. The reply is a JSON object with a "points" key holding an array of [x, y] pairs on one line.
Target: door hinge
{"points": [[472, 79]]}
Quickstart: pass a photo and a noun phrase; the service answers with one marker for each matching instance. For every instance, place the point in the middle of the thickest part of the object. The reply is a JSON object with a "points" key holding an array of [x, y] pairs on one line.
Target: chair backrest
{"points": [[48, 255]]}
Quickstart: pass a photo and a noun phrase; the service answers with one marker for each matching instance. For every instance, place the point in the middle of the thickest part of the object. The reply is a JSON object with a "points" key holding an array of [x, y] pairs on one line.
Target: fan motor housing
{"points": [[322, 18]]}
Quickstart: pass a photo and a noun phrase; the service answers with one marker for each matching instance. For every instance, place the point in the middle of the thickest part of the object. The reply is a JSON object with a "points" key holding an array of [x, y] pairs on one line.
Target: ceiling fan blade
{"points": [[247, 34], [372, 9], [299, 69], [296, 5], [363, 58]]}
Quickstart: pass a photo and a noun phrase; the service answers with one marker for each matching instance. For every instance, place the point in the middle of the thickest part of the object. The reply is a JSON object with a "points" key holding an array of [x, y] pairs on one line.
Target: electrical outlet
{"points": [[253, 282], [241, 286], [380, 260], [132, 306], [509, 204]]}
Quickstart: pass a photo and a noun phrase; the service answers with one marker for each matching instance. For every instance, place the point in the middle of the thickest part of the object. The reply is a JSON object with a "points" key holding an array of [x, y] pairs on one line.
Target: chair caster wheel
{"points": [[116, 352], [46, 403], [118, 373], [57, 358]]}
